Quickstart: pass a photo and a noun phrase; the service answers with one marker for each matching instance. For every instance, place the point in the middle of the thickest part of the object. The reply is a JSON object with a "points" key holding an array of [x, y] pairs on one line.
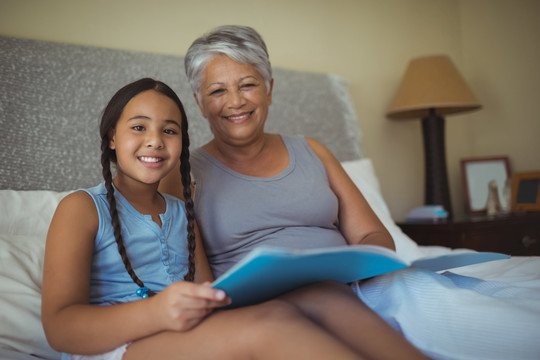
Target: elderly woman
{"points": [[256, 188]]}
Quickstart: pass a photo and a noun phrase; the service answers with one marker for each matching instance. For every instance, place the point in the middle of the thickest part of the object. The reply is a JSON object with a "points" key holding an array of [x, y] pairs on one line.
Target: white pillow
{"points": [[27, 212], [23, 229], [21, 264], [363, 175]]}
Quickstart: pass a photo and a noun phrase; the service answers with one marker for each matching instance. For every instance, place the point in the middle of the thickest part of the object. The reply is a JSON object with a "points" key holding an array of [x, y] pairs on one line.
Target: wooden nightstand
{"points": [[513, 234]]}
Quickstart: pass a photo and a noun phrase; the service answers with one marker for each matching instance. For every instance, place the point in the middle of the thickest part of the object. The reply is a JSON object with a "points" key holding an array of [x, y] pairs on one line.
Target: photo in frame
{"points": [[477, 173], [526, 191]]}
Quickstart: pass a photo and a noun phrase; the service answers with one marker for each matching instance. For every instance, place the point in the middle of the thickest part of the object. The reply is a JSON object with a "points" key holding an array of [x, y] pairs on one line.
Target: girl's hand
{"points": [[183, 305]]}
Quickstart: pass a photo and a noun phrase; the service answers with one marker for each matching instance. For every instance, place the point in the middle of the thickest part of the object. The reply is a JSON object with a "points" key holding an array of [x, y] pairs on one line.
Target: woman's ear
{"points": [[270, 91], [199, 104], [111, 135]]}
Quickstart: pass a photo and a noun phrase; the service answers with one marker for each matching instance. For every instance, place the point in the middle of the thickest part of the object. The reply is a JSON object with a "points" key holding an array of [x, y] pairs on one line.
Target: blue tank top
{"points": [[236, 213], [158, 255]]}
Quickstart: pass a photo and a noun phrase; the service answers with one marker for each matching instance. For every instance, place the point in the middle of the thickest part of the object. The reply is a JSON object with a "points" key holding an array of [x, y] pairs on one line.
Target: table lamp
{"points": [[431, 88]]}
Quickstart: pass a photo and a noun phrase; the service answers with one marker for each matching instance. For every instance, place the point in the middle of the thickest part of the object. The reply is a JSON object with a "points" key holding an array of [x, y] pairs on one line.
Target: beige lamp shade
{"points": [[432, 82]]}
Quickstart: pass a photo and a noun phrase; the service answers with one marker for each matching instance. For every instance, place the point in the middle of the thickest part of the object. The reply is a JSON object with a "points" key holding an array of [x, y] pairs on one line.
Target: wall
{"points": [[502, 57], [368, 42]]}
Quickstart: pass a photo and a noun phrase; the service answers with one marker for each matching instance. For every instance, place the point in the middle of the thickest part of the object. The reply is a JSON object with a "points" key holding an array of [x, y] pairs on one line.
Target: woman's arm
{"points": [[71, 324], [357, 221], [202, 268], [172, 183]]}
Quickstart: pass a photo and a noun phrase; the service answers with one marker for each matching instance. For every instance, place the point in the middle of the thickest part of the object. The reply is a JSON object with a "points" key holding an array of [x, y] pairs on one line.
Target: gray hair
{"points": [[241, 43]]}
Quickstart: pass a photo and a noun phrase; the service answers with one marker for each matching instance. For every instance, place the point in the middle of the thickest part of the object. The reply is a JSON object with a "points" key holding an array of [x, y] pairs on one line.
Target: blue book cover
{"points": [[267, 272]]}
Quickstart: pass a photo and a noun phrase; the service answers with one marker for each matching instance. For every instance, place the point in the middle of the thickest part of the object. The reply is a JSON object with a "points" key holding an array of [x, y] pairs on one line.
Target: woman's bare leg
{"points": [[335, 307], [273, 330]]}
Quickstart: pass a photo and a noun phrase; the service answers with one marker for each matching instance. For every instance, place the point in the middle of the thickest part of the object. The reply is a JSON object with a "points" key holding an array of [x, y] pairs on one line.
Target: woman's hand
{"points": [[183, 305]]}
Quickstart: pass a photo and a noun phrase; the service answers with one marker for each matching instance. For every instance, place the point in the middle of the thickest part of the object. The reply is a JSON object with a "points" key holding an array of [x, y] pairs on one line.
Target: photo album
{"points": [[267, 272]]}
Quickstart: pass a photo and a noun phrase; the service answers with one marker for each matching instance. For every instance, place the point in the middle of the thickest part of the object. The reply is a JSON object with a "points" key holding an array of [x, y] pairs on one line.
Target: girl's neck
{"points": [[143, 197]]}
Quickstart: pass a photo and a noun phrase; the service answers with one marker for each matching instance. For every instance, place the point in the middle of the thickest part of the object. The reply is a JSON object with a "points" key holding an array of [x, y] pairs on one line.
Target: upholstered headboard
{"points": [[52, 95]]}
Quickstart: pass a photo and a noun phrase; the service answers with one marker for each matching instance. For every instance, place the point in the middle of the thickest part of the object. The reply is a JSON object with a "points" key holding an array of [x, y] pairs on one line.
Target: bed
{"points": [[51, 97]]}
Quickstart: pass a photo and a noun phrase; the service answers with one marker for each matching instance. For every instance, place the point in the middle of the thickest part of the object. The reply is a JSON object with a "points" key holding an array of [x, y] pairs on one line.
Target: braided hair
{"points": [[109, 119]]}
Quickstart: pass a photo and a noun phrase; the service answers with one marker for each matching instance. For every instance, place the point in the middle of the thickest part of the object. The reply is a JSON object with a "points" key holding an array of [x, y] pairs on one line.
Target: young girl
{"points": [[125, 274]]}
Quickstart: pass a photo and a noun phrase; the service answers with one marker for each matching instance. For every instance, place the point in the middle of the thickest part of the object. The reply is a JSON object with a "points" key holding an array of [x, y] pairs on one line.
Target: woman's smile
{"points": [[239, 118]]}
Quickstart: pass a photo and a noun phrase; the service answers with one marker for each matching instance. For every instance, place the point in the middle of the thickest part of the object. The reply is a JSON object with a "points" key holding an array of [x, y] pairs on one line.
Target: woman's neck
{"points": [[265, 157], [230, 153]]}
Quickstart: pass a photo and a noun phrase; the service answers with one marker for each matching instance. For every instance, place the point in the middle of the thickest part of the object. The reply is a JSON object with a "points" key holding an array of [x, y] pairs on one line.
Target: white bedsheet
{"points": [[452, 316]]}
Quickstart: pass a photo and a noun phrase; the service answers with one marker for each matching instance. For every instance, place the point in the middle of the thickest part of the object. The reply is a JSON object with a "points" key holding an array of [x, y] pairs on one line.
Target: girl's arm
{"points": [[357, 221], [71, 324]]}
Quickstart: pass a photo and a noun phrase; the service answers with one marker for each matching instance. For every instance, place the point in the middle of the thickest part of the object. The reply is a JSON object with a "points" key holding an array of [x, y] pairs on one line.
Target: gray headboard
{"points": [[52, 95]]}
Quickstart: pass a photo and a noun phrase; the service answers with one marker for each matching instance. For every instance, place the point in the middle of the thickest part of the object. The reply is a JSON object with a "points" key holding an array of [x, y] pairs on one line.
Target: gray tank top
{"points": [[236, 213]]}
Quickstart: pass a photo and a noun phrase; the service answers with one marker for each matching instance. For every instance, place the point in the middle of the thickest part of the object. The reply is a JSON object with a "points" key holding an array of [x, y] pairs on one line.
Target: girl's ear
{"points": [[111, 135]]}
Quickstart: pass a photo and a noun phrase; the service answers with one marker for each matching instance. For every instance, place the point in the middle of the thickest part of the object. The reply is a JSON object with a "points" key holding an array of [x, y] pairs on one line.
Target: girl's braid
{"points": [[185, 172], [106, 165]]}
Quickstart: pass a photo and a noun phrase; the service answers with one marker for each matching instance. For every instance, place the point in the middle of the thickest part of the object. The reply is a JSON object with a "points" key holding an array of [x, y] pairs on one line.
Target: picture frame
{"points": [[477, 172], [526, 191]]}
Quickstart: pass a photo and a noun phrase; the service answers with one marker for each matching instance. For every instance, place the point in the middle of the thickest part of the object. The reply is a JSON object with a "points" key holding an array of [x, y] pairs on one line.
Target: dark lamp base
{"points": [[437, 191]]}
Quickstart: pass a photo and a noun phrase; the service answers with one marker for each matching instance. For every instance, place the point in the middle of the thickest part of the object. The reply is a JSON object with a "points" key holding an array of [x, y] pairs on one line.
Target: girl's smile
{"points": [[150, 161]]}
